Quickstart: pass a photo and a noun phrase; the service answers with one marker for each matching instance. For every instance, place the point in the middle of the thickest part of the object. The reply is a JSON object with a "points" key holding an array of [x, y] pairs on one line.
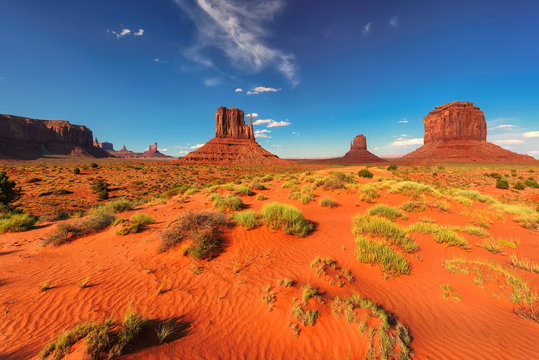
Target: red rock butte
{"points": [[234, 143], [358, 154], [457, 132]]}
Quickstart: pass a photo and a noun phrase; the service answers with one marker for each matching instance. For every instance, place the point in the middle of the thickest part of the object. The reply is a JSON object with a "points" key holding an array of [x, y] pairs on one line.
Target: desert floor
{"points": [[236, 305]]}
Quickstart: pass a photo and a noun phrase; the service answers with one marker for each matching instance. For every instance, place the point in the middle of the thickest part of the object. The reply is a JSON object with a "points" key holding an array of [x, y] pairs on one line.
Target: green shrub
{"points": [[9, 192], [248, 219], [413, 206], [413, 189], [76, 171], [387, 212], [502, 184], [377, 252], [367, 225], [244, 190], [328, 202], [463, 200], [14, 222], [115, 206], [141, 219], [94, 165], [519, 186], [530, 182], [67, 232], [261, 197], [285, 217], [392, 167], [100, 187], [365, 173], [368, 193]]}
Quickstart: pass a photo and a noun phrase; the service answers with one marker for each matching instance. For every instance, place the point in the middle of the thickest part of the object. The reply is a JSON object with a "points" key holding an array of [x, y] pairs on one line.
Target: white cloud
{"points": [[394, 21], [401, 142], [531, 134], [212, 81], [238, 90], [196, 146], [533, 152], [157, 60], [183, 152], [253, 114], [262, 89], [278, 145], [404, 135], [140, 32], [163, 149], [367, 29], [262, 121], [295, 133], [239, 30], [403, 121], [508, 141], [278, 123], [262, 133], [120, 34]]}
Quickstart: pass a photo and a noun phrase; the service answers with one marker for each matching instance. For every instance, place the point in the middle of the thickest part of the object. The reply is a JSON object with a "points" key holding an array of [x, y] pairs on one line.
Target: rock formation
{"points": [[22, 137], [104, 145], [152, 152], [234, 143], [457, 132], [358, 154]]}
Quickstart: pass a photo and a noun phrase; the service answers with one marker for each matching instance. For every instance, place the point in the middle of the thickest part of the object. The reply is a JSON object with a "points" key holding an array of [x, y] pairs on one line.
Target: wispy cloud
{"points": [[261, 89], [394, 21], [253, 114], [120, 34], [278, 123], [262, 121], [194, 147], [402, 142], [157, 60], [140, 32], [262, 133], [238, 29], [212, 81], [508, 141], [531, 134], [533, 152], [238, 90], [367, 29], [403, 121]]}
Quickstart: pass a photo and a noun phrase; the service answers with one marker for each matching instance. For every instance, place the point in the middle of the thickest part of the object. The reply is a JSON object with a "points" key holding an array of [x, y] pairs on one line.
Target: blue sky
{"points": [[317, 73]]}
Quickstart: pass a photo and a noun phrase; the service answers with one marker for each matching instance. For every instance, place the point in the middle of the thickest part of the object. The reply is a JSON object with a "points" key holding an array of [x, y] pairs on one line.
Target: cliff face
{"points": [[22, 137], [457, 132], [229, 123], [455, 121]]}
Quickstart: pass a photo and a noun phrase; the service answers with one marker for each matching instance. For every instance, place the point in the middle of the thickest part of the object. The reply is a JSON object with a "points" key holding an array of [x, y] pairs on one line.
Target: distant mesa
{"points": [[358, 154], [104, 145], [457, 132], [25, 138], [234, 143], [152, 152]]}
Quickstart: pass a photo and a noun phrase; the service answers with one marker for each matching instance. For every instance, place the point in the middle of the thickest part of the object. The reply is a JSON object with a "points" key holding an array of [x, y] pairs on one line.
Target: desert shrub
{"points": [[141, 219], [348, 178], [463, 200], [100, 187], [67, 232], [287, 218], [231, 202], [244, 190], [258, 186], [248, 219], [175, 190], [530, 182], [94, 165], [502, 184], [387, 212], [261, 197], [413, 206], [524, 264], [519, 186], [9, 192], [377, 252], [392, 167], [15, 222], [328, 202], [477, 231], [330, 183], [368, 193], [136, 223], [114, 206], [305, 317], [76, 171], [413, 189], [495, 175], [200, 226], [474, 195], [370, 225], [440, 234], [365, 173]]}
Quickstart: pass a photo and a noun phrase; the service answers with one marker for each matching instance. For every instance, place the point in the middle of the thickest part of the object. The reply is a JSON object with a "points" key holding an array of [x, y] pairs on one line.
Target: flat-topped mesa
{"points": [[455, 121], [229, 123], [359, 143]]}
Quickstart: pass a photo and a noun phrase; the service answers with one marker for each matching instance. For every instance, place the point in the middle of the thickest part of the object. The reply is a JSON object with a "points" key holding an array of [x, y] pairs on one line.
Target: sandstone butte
{"points": [[152, 151], [234, 143], [26, 138], [457, 132], [358, 154]]}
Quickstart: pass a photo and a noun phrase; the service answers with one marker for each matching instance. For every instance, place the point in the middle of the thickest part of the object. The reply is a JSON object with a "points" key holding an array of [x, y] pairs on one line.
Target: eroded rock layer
{"points": [[457, 132], [22, 137]]}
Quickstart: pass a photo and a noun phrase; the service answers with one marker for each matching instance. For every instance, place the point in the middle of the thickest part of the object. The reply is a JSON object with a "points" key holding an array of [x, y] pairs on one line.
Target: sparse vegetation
{"points": [[375, 226], [328, 202], [248, 219], [377, 252], [524, 264], [285, 217], [365, 173], [387, 212]]}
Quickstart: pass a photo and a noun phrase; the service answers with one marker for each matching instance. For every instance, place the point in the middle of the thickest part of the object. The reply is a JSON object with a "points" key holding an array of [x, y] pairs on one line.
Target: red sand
{"points": [[222, 309]]}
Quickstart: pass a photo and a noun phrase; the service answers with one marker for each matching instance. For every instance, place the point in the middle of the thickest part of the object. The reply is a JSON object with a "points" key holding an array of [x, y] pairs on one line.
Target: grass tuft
{"points": [[285, 217]]}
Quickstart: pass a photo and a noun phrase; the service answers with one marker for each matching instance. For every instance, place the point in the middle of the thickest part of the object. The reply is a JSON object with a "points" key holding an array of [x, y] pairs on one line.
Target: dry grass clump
{"points": [[413, 189], [440, 234], [248, 219], [413, 206], [520, 290], [368, 193], [370, 225], [388, 340], [285, 217], [67, 232], [320, 264], [231, 202], [387, 212], [104, 340], [378, 252], [202, 228], [16, 222], [136, 223], [491, 246], [328, 202], [477, 231], [524, 264], [305, 317]]}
